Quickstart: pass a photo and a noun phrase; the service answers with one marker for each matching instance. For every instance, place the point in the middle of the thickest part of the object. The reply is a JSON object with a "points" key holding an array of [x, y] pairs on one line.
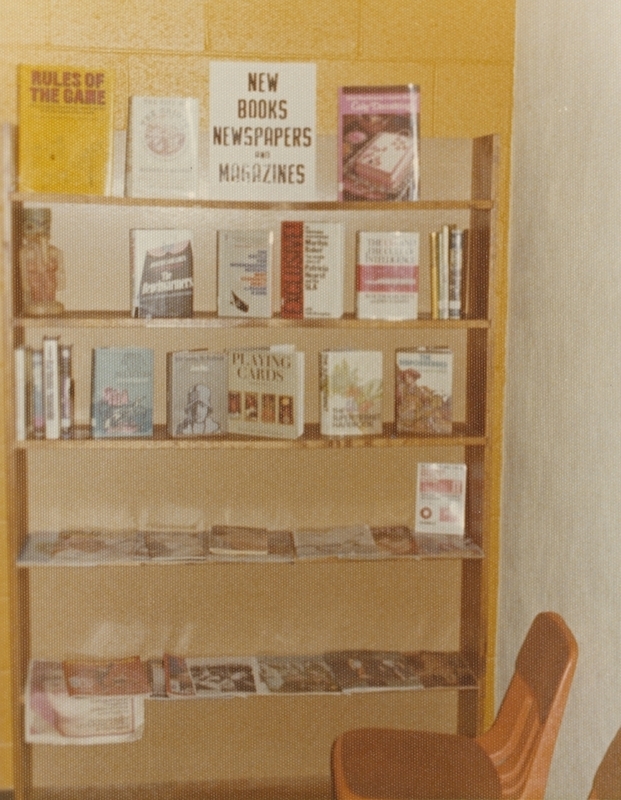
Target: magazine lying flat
{"points": [[220, 677], [350, 541], [296, 675], [175, 545], [373, 670], [53, 717], [244, 543], [114, 677], [83, 547]]}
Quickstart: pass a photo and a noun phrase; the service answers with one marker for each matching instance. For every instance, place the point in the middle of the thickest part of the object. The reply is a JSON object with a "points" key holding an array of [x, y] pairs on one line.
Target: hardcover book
{"points": [[423, 391], [387, 275], [65, 129], [296, 675], [373, 670], [441, 499], [65, 356], [351, 388], [266, 392], [162, 272], [262, 130], [311, 270], [378, 142], [197, 392], [245, 273], [122, 393], [37, 404], [162, 147]]}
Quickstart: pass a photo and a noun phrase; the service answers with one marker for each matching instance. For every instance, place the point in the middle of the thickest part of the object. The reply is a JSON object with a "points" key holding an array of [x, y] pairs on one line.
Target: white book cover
{"points": [[387, 275], [443, 272], [51, 387], [266, 392], [351, 388], [162, 272], [441, 499], [262, 130], [245, 273], [312, 261], [162, 147]]}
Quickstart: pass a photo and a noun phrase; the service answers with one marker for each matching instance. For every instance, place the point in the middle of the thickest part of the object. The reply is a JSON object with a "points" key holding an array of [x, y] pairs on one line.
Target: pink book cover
{"points": [[378, 142]]}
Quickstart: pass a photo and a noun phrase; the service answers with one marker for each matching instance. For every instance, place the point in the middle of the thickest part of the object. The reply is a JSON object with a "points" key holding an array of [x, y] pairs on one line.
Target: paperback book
{"points": [[54, 717], [162, 272], [266, 392], [423, 391], [296, 675], [162, 147], [197, 393], [312, 261], [245, 273], [441, 499], [351, 392], [378, 142], [372, 670], [122, 394], [387, 275], [65, 129]]}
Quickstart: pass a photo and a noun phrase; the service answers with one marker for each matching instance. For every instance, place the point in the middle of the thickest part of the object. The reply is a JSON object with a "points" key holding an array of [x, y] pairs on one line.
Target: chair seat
{"points": [[409, 765]]}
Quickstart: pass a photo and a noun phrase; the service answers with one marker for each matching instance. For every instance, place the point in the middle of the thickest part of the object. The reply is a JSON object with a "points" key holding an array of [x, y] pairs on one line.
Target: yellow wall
{"points": [[459, 51]]}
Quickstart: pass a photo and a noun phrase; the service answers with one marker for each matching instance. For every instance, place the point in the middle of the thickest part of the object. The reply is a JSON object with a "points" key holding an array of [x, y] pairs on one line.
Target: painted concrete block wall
{"points": [[460, 52], [561, 510]]}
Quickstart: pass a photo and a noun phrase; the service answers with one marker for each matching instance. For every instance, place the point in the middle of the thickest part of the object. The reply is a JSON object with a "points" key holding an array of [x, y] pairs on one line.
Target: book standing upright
{"points": [[65, 129], [378, 142]]}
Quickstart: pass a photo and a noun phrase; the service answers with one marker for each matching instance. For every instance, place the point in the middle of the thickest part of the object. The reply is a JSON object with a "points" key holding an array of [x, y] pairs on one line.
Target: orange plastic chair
{"points": [[510, 760], [607, 780]]}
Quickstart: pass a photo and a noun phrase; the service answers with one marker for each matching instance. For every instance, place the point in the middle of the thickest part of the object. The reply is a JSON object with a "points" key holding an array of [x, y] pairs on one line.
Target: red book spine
{"points": [[292, 270]]}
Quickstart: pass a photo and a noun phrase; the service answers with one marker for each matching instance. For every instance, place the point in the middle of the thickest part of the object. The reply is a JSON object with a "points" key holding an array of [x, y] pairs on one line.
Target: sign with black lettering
{"points": [[262, 130]]}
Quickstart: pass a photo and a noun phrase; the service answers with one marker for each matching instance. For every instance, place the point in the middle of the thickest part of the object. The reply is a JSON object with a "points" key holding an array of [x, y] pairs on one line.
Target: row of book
{"points": [[262, 138], [235, 543], [312, 272], [88, 701], [248, 391]]}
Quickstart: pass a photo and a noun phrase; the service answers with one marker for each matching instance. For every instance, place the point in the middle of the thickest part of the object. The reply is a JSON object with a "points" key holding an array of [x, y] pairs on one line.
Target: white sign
{"points": [[262, 130]]}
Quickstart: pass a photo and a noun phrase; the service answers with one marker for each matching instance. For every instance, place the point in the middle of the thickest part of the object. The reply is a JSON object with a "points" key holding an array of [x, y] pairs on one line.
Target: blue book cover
{"points": [[122, 395]]}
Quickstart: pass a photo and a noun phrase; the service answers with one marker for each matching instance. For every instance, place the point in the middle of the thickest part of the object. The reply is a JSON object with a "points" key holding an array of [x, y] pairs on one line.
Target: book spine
{"points": [[38, 410], [433, 272], [443, 272], [456, 257], [292, 270], [21, 393], [51, 387], [66, 392]]}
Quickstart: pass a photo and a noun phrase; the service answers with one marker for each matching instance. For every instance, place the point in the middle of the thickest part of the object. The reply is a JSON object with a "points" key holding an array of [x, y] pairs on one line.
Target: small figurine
{"points": [[41, 265]]}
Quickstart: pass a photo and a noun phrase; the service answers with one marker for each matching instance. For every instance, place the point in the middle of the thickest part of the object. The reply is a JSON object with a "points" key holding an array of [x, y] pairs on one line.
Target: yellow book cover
{"points": [[65, 129]]}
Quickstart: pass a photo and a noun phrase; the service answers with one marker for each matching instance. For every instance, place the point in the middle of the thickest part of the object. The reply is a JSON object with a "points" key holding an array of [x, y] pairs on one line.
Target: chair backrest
{"points": [[521, 741], [607, 780]]}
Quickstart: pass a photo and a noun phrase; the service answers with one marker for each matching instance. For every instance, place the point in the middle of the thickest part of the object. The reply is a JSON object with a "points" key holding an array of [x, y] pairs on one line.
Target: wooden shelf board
{"points": [[121, 319], [311, 439]]}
